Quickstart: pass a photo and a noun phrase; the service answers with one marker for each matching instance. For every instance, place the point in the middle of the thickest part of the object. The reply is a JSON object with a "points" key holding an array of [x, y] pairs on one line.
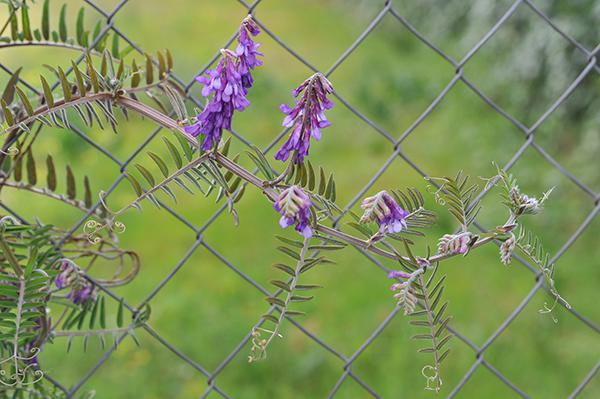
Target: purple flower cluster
{"points": [[383, 209], [228, 84], [82, 290], [294, 206], [247, 51], [307, 118]]}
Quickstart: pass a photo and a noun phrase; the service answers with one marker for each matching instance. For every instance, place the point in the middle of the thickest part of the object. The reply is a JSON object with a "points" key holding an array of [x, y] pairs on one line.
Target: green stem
{"points": [[290, 293]]}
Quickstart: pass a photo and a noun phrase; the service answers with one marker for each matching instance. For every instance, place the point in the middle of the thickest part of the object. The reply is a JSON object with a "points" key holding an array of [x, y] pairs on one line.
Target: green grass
{"points": [[206, 309]]}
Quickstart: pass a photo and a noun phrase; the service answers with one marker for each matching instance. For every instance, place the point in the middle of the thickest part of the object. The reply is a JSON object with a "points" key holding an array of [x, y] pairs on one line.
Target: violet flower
{"points": [[225, 83], [307, 118], [228, 84], [82, 290], [247, 51], [294, 206], [383, 209]]}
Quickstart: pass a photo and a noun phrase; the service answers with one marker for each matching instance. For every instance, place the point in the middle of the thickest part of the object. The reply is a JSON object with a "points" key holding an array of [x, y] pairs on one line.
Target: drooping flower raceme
{"points": [[247, 51], [383, 209], [294, 206], [81, 289], [228, 84], [225, 83], [307, 118]]}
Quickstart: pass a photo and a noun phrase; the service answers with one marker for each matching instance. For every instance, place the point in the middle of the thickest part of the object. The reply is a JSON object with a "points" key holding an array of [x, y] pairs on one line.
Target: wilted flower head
{"points": [[81, 289], [383, 208], [225, 83], [307, 118], [247, 51], [294, 206], [507, 248], [456, 243], [523, 204]]}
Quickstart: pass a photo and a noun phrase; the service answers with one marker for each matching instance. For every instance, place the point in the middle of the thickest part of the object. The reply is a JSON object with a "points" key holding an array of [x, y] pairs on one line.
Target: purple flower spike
{"points": [[294, 206], [383, 208], [307, 118], [247, 51], [229, 95]]}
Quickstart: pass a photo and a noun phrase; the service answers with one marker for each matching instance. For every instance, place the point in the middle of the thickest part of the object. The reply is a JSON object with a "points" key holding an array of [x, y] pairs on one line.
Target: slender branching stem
{"points": [[263, 185], [434, 340], [59, 105], [88, 333], [286, 303], [48, 43], [50, 194], [222, 160]]}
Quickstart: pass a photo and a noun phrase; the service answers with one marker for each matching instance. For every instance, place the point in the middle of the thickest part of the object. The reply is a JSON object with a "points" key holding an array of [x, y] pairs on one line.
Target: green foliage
{"points": [[532, 247], [201, 173], [460, 198], [32, 183], [304, 175], [91, 322], [289, 292], [83, 93], [434, 320], [26, 33], [26, 258]]}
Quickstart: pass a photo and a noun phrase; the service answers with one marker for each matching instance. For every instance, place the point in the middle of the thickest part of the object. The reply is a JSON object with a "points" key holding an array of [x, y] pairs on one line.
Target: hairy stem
{"points": [[45, 192]]}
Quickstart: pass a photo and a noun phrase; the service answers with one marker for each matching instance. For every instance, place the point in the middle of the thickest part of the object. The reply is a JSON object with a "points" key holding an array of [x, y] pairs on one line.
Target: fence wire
{"points": [[346, 361]]}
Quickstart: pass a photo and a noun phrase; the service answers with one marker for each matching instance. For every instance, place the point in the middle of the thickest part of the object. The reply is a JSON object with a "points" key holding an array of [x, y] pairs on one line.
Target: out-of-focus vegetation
{"points": [[206, 309]]}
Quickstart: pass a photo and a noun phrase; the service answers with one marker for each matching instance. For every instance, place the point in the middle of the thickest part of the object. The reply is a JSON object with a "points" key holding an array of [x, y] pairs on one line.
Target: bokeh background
{"points": [[206, 308]]}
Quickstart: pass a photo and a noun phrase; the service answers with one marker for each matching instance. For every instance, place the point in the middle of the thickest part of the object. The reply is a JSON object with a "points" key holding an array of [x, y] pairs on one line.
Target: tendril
{"points": [[10, 151], [434, 381]]}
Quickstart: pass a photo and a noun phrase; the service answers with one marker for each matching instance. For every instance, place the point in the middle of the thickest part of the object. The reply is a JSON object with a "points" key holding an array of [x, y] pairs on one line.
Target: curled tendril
{"points": [[549, 310], [434, 381], [102, 196], [20, 374], [259, 344], [92, 229], [436, 194], [10, 219], [10, 151], [118, 227]]}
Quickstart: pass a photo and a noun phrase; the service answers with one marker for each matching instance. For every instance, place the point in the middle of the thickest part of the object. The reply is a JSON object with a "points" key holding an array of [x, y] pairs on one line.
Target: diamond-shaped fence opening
{"points": [[394, 142]]}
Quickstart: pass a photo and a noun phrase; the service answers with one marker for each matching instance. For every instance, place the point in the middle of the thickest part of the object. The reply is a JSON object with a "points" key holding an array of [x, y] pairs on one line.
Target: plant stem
{"points": [[263, 185], [290, 293], [430, 320]]}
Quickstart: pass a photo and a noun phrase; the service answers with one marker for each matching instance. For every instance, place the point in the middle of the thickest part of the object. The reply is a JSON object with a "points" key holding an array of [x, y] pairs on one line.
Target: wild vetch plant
{"points": [[49, 289]]}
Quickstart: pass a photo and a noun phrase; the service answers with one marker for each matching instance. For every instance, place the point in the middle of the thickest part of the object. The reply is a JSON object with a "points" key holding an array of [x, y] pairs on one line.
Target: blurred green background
{"points": [[206, 309]]}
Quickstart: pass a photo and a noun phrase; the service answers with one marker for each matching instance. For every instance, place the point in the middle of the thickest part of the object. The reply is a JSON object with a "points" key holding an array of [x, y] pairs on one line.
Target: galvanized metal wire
{"points": [[388, 11]]}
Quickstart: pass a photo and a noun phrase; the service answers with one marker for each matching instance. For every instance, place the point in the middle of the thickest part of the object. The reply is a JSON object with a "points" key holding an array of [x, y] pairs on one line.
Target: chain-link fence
{"points": [[346, 361]]}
